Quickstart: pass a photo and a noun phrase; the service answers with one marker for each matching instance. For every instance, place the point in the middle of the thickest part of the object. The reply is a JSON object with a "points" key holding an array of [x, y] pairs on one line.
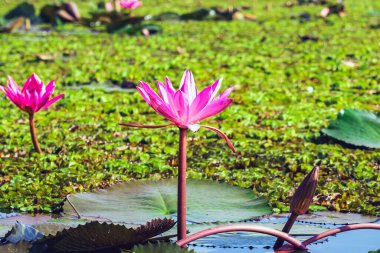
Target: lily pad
{"points": [[137, 202], [21, 232], [160, 248], [95, 236], [336, 218], [356, 127]]}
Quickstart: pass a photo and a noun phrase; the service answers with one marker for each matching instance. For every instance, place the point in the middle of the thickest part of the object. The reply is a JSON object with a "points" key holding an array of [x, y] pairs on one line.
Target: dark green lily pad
{"points": [[137, 202], [95, 236], [356, 127], [24, 9]]}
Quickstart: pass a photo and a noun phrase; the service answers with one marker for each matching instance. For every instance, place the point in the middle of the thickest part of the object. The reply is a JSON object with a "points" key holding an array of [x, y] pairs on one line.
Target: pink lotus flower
{"points": [[186, 107], [33, 97], [130, 4]]}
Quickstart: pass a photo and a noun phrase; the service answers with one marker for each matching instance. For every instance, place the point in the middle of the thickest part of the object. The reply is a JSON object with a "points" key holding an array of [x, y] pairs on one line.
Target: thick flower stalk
{"points": [[130, 4], [34, 96], [185, 108]]}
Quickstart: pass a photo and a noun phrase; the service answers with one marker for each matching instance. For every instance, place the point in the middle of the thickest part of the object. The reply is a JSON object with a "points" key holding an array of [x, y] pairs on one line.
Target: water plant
{"points": [[34, 96], [185, 108]]}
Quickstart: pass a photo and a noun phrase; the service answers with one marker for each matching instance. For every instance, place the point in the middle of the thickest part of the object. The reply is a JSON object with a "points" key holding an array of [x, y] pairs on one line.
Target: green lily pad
{"points": [[337, 218], [160, 248], [356, 127], [137, 202]]}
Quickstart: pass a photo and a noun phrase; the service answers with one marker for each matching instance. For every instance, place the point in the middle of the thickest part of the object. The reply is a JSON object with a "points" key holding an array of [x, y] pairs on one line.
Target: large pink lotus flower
{"points": [[186, 107], [130, 4], [35, 96]]}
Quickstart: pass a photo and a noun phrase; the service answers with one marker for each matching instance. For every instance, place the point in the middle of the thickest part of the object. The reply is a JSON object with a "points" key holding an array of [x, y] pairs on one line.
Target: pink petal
{"points": [[144, 94], [145, 126], [34, 100], [163, 91], [52, 101], [44, 98], [226, 93], [12, 86], [204, 98], [221, 134], [151, 93], [13, 97], [212, 109], [181, 106], [156, 102], [130, 4], [188, 87], [33, 83], [169, 86]]}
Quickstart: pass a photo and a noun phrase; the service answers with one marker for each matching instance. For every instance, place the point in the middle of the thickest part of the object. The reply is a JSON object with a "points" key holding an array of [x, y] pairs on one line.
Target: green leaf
{"points": [[137, 202], [356, 127], [95, 236], [160, 248]]}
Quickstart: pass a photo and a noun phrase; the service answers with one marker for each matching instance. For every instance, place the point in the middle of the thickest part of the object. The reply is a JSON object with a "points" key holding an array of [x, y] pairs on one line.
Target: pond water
{"points": [[358, 241]]}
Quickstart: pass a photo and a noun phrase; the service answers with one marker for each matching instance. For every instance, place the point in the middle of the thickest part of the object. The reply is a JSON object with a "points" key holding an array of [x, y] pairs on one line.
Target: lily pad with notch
{"points": [[137, 202]]}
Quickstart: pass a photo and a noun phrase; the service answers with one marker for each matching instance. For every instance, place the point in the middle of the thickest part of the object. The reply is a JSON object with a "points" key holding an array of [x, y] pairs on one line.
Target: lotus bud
{"points": [[303, 197], [301, 201]]}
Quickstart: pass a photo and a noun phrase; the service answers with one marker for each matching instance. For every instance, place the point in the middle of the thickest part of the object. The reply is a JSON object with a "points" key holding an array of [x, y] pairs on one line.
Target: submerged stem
{"points": [[181, 204], [33, 133]]}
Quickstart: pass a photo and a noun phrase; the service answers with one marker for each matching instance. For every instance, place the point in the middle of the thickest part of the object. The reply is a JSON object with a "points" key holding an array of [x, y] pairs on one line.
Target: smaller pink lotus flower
{"points": [[35, 96], [130, 4]]}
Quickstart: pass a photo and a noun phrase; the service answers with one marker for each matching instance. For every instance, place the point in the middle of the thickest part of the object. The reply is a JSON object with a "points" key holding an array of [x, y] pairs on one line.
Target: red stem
{"points": [[247, 228], [33, 133], [181, 208]]}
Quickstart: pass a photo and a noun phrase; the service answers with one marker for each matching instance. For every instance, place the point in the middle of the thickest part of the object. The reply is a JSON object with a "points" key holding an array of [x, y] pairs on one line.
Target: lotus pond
{"points": [[306, 94]]}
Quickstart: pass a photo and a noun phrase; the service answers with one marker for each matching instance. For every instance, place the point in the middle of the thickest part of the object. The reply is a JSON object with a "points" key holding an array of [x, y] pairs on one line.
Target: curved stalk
{"points": [[181, 203], [247, 228], [33, 133]]}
